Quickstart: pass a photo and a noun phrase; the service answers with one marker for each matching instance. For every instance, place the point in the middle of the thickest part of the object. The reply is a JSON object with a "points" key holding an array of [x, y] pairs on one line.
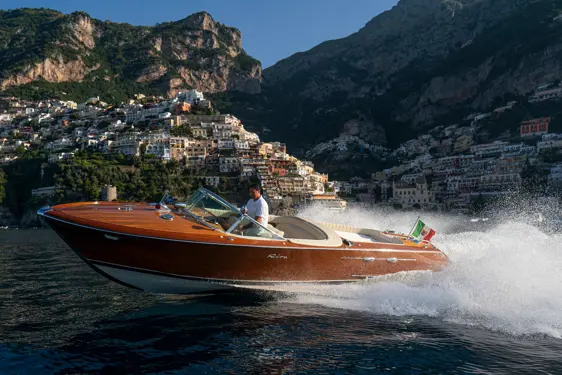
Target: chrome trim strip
{"points": [[242, 245], [390, 260]]}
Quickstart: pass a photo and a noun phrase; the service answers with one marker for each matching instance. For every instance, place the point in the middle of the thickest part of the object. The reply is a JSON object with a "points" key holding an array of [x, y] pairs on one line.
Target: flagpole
{"points": [[414, 227]]}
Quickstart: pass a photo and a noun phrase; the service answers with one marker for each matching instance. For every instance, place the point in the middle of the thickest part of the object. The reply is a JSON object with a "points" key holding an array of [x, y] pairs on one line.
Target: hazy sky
{"points": [[271, 30]]}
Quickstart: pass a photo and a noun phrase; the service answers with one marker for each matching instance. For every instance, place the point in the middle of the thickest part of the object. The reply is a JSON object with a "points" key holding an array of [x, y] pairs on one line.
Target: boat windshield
{"points": [[217, 214]]}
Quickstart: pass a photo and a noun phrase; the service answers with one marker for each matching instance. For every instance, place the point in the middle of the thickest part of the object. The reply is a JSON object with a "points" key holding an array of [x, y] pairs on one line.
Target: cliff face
{"points": [[50, 70], [411, 67], [196, 52]]}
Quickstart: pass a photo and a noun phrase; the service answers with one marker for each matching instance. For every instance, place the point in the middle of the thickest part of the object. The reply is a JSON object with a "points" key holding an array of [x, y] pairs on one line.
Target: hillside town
{"points": [[450, 167], [445, 169], [185, 128]]}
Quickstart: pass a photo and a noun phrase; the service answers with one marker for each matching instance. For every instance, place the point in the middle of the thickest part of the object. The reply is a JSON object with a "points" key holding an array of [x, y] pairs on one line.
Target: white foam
{"points": [[508, 278]]}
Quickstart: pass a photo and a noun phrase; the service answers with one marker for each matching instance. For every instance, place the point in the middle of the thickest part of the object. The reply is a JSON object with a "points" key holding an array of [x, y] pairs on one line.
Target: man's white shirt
{"points": [[257, 208]]}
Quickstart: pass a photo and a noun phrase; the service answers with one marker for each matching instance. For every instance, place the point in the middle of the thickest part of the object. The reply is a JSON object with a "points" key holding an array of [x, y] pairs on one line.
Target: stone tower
{"points": [[109, 193]]}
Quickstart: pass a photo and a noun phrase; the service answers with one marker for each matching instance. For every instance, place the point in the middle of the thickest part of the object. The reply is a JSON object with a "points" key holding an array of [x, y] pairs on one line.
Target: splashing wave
{"points": [[507, 277]]}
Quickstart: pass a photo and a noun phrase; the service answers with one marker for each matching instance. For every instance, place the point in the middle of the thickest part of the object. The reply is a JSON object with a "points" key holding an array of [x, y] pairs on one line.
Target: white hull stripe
{"points": [[242, 245], [160, 284], [214, 280]]}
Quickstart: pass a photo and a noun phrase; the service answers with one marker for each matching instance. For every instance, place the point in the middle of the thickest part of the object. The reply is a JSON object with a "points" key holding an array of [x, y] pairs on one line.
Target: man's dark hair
{"points": [[255, 187]]}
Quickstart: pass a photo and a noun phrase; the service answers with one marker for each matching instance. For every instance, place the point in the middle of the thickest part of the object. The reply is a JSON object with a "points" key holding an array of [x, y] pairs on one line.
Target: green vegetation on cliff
{"points": [[88, 57], [114, 91], [82, 178]]}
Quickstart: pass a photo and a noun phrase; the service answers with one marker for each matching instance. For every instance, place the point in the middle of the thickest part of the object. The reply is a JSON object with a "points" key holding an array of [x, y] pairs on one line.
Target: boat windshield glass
{"points": [[216, 213]]}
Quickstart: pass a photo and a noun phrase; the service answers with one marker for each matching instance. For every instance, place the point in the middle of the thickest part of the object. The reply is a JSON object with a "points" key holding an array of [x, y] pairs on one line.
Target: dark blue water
{"points": [[59, 317]]}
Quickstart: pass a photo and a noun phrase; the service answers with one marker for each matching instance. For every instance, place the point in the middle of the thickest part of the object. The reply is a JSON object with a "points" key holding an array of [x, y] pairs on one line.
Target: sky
{"points": [[271, 29]]}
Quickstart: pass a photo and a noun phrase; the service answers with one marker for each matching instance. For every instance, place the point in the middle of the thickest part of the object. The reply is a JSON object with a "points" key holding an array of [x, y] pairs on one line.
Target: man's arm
{"points": [[261, 211]]}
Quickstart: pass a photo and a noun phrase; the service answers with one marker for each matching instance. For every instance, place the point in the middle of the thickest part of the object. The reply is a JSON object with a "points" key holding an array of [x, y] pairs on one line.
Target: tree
{"points": [[378, 194], [534, 179], [104, 124], [223, 183], [2, 183], [20, 150], [478, 205], [551, 156]]}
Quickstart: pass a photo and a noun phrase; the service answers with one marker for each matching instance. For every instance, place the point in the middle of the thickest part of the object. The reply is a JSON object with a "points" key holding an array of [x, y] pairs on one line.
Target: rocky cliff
{"points": [[47, 47], [419, 64]]}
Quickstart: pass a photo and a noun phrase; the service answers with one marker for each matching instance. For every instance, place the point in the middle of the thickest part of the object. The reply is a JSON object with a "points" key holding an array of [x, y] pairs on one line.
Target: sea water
{"points": [[496, 310]]}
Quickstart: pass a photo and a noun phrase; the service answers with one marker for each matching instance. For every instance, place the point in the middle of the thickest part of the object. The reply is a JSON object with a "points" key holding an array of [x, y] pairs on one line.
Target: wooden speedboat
{"points": [[204, 244]]}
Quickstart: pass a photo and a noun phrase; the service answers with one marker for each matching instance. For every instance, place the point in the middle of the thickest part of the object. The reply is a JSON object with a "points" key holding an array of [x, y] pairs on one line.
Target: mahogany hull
{"points": [[171, 265]]}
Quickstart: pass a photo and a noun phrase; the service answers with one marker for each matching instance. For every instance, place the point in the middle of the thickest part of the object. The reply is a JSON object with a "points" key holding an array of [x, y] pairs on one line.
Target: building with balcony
{"points": [[195, 163], [178, 146], [409, 195], [549, 145], [128, 145], [546, 94], [229, 164], [535, 127], [212, 181], [291, 185], [502, 182]]}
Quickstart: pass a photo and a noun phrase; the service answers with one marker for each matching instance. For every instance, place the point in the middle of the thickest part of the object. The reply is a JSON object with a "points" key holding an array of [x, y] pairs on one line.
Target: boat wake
{"points": [[506, 277]]}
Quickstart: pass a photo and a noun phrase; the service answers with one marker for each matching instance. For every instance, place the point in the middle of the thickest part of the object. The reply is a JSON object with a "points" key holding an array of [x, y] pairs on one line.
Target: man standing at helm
{"points": [[258, 210]]}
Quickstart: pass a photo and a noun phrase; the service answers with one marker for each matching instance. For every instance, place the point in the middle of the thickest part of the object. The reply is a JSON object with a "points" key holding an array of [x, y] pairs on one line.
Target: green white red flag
{"points": [[422, 232]]}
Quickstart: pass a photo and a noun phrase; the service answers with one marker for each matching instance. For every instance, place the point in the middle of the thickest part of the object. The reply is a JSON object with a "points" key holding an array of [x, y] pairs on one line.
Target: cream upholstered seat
{"points": [[373, 233], [304, 232], [275, 230]]}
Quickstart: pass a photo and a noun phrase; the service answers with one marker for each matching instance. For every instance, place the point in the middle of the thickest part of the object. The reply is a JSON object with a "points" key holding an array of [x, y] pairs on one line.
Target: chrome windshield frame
{"points": [[198, 219], [237, 223], [206, 193], [187, 210]]}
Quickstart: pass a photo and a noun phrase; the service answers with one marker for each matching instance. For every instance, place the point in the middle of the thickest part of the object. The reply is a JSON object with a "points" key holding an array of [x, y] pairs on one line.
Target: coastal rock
{"points": [[51, 70], [152, 73], [84, 29]]}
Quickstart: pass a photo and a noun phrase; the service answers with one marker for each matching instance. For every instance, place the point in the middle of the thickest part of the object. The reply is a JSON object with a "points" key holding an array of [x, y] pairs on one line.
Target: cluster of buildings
{"points": [[546, 92], [449, 168], [445, 169], [185, 129]]}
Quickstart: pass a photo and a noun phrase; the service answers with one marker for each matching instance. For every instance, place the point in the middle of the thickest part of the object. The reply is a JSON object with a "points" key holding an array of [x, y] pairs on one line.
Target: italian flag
{"points": [[422, 232]]}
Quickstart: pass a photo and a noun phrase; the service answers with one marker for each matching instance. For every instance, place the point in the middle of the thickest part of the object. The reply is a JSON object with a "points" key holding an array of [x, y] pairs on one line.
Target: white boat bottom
{"points": [[160, 284]]}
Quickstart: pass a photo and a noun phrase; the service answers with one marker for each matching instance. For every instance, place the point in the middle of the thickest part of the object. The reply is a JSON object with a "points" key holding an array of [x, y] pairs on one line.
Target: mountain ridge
{"points": [[43, 46], [421, 64]]}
